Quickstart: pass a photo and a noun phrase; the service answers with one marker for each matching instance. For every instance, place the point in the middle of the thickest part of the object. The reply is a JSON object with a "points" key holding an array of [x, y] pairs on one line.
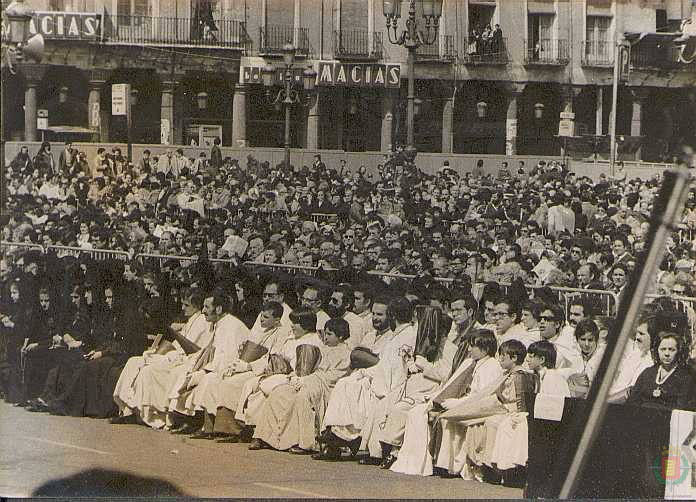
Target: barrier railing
{"points": [[12, 246], [162, 258], [95, 254], [607, 300], [320, 218]]}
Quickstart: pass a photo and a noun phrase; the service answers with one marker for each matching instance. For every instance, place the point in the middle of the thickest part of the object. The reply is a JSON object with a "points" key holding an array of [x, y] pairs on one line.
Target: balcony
{"points": [[175, 31], [484, 52], [442, 51], [546, 52], [355, 44], [659, 54], [598, 53], [272, 38]]}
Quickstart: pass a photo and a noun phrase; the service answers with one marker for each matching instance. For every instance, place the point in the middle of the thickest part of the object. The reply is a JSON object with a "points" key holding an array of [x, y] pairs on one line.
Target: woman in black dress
{"points": [[668, 384]]}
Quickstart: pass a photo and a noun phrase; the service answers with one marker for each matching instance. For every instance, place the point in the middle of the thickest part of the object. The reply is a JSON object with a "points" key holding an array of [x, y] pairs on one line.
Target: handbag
{"points": [[251, 351], [362, 357]]}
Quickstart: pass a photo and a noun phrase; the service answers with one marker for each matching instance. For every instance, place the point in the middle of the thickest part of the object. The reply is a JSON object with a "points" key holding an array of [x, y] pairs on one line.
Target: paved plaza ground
{"points": [[100, 458]]}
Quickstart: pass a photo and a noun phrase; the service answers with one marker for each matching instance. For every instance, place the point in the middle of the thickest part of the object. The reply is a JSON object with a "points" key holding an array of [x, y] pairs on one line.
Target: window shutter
{"points": [[541, 7], [354, 15], [280, 13]]}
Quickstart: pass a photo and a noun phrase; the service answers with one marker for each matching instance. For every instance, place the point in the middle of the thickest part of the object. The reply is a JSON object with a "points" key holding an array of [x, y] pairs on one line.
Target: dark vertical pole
{"points": [[288, 103]]}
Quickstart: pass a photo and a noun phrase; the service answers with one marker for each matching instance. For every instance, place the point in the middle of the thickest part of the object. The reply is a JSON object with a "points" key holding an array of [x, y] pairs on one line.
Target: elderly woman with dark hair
{"points": [[668, 383]]}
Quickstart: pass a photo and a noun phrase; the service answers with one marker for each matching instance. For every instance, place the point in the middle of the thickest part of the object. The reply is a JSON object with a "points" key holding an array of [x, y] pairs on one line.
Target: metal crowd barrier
{"points": [[288, 269], [320, 218], [18, 246], [160, 259], [605, 302], [95, 254], [685, 304]]}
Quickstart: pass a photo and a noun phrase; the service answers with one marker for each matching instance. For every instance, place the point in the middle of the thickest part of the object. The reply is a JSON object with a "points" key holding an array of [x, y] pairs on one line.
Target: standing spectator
{"points": [[44, 160], [215, 157], [145, 166], [66, 158]]}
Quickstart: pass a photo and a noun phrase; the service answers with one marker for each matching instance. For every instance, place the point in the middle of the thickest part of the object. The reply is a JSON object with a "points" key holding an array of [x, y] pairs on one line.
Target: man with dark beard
{"points": [[339, 307]]}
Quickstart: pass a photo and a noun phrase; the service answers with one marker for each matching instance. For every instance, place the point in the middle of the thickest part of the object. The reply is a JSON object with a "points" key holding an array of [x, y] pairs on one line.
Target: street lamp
{"points": [[412, 38], [21, 46], [288, 96]]}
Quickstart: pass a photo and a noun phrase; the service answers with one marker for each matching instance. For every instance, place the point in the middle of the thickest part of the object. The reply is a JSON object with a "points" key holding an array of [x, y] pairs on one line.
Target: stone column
{"points": [[239, 137], [568, 95], [387, 120], [313, 117], [448, 125], [33, 74], [514, 91], [97, 79], [638, 98], [167, 113]]}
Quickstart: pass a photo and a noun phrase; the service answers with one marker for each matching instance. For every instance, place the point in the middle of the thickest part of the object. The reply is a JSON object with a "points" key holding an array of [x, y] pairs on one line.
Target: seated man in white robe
{"points": [[304, 332], [339, 307], [507, 325], [143, 386], [218, 392], [228, 335], [361, 395], [568, 352]]}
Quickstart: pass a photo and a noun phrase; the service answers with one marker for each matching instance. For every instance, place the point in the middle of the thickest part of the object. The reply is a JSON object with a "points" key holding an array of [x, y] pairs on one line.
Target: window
{"points": [[71, 5], [540, 37], [597, 43], [131, 12]]}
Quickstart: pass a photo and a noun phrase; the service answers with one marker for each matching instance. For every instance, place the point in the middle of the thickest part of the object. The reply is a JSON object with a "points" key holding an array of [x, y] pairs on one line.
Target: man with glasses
{"points": [[551, 322], [312, 299], [273, 292], [506, 316], [341, 302]]}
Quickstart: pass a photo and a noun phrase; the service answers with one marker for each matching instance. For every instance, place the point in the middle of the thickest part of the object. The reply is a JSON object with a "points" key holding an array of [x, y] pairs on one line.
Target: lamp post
{"points": [[412, 38], [19, 46], [288, 96]]}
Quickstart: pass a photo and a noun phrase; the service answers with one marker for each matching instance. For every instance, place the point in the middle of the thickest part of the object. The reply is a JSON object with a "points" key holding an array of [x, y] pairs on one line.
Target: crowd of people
{"points": [[403, 319]]}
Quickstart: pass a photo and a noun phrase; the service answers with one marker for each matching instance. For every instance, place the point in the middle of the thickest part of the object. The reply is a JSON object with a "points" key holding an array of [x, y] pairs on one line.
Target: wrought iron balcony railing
{"points": [[356, 44], [150, 30], [476, 50], [272, 38], [442, 50], [658, 54], [597, 53], [546, 51]]}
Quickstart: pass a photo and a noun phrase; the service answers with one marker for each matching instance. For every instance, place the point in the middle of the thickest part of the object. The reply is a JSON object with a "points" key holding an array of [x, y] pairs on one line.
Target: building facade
{"points": [[195, 66]]}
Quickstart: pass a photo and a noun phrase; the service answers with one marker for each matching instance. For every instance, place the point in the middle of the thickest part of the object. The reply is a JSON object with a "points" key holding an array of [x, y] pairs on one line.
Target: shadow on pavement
{"points": [[107, 483]]}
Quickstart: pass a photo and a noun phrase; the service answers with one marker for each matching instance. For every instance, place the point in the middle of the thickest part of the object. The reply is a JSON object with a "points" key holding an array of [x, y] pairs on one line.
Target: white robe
{"points": [[216, 390], [452, 453], [228, 336], [146, 380], [252, 397], [354, 399]]}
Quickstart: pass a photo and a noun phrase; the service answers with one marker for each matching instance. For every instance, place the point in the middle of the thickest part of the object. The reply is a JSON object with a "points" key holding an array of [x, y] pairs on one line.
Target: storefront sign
{"points": [[252, 75], [42, 119], [66, 25], [208, 133], [335, 74], [358, 75], [119, 94]]}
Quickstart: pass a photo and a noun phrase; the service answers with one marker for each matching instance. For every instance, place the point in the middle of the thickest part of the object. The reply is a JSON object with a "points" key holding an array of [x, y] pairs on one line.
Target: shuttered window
{"points": [[354, 14], [541, 7], [280, 13]]}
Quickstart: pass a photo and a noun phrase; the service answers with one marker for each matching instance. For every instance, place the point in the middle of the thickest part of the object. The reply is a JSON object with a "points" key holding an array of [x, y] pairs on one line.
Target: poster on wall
{"points": [[208, 133]]}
